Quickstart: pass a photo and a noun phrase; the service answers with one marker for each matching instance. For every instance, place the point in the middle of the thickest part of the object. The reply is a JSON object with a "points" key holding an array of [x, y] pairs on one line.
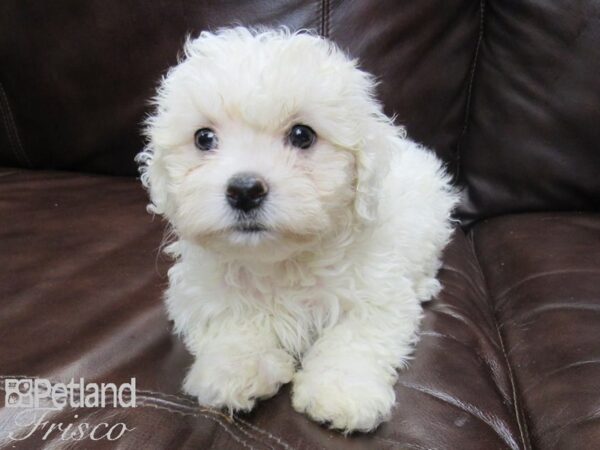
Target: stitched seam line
{"points": [[327, 16], [188, 402], [230, 432], [319, 18], [11, 130], [518, 411], [470, 89], [324, 15]]}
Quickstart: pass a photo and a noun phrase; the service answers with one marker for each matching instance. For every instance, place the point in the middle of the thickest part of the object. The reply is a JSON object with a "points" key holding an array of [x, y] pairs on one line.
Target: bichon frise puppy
{"points": [[308, 227]]}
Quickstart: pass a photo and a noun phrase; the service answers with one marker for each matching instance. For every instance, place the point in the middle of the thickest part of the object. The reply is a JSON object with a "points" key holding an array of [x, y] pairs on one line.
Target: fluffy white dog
{"points": [[308, 227]]}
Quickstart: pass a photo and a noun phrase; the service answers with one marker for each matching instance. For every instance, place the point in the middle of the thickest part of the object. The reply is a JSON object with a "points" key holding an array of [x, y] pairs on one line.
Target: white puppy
{"points": [[309, 228]]}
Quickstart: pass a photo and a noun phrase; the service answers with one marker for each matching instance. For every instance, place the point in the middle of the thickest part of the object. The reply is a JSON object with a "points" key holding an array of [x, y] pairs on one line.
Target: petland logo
{"points": [[40, 393], [38, 397]]}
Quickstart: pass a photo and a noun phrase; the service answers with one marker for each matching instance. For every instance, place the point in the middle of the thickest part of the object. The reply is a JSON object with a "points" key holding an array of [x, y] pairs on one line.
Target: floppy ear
{"points": [[372, 167]]}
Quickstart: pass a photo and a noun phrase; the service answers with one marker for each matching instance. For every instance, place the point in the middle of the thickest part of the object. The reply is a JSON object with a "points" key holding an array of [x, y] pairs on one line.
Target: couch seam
{"points": [[324, 12], [327, 18], [518, 410], [214, 419], [187, 402], [12, 132], [470, 83]]}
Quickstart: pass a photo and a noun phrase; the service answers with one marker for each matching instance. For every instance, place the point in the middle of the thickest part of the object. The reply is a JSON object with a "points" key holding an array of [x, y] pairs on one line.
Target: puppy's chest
{"points": [[297, 314], [306, 300], [274, 293]]}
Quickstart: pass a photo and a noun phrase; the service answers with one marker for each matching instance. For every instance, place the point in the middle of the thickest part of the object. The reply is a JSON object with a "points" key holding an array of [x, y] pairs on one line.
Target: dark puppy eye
{"points": [[205, 139], [302, 136]]}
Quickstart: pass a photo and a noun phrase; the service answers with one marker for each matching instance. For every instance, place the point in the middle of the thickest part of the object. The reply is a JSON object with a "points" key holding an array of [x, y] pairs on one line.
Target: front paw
{"points": [[347, 400], [235, 382]]}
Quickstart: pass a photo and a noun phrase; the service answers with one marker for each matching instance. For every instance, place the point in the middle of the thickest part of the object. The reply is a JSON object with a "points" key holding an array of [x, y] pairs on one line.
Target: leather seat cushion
{"points": [[543, 273], [81, 297]]}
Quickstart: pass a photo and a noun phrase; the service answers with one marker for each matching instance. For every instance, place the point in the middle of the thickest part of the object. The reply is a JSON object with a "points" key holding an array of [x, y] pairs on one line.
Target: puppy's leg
{"points": [[347, 377], [237, 362]]}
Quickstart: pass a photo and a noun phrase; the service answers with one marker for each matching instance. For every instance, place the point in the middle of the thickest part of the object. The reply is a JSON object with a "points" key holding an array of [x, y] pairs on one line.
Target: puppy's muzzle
{"points": [[246, 191]]}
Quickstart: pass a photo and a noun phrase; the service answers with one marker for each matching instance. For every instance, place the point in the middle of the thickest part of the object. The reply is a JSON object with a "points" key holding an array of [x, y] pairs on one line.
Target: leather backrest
{"points": [[422, 52], [76, 75], [507, 93], [533, 141]]}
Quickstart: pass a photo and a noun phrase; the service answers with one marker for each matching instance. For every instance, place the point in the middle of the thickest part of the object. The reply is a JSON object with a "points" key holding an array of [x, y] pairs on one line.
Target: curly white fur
{"points": [[329, 297]]}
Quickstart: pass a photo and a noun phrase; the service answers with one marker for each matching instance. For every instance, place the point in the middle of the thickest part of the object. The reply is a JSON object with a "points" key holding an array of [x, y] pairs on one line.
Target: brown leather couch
{"points": [[506, 91]]}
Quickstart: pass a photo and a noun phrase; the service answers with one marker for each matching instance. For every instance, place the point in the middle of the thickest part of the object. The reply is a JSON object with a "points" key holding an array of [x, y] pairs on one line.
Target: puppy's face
{"points": [[258, 142]]}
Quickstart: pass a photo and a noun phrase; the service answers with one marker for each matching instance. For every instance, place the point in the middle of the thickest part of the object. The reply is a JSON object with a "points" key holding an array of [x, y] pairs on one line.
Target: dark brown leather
{"points": [[533, 141], [421, 52], [77, 83], [78, 75], [507, 358], [81, 297], [543, 274]]}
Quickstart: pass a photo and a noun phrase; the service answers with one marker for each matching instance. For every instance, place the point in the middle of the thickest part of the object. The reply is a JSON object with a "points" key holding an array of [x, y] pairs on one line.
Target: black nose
{"points": [[246, 191]]}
